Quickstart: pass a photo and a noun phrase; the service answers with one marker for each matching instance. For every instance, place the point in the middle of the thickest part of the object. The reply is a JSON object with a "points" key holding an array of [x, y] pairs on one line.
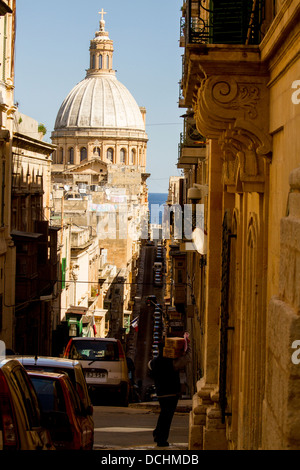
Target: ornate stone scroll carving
{"points": [[234, 110]]}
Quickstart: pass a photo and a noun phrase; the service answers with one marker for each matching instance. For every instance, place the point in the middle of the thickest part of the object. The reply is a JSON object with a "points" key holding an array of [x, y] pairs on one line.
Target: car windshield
{"points": [[95, 350], [50, 394]]}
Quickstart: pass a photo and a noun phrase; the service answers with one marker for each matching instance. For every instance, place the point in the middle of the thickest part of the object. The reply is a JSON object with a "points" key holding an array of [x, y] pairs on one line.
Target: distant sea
{"points": [[157, 199]]}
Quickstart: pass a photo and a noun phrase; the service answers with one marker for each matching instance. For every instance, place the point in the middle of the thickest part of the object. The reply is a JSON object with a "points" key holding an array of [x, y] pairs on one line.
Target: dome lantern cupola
{"points": [[101, 51]]}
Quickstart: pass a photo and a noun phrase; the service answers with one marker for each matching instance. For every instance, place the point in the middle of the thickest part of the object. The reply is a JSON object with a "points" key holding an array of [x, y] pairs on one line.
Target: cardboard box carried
{"points": [[174, 347]]}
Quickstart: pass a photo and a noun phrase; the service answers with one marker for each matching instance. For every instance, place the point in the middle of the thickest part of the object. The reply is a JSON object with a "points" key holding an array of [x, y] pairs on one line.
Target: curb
{"points": [[184, 406]]}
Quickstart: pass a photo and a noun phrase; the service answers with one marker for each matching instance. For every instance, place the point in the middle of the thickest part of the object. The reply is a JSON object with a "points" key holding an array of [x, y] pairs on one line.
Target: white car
{"points": [[104, 365]]}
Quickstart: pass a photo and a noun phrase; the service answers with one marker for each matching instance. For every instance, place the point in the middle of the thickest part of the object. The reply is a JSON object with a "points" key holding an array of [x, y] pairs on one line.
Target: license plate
{"points": [[95, 375]]}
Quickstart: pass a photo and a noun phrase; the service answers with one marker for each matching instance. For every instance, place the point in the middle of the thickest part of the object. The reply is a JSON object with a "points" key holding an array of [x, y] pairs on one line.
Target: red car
{"points": [[62, 411], [20, 415]]}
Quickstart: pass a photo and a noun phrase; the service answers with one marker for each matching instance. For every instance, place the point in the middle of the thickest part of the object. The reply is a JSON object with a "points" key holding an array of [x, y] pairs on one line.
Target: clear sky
{"points": [[52, 55]]}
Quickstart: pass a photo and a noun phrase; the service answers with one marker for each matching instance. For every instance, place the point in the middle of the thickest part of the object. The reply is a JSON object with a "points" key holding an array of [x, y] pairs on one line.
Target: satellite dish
{"points": [[200, 240], [66, 187]]}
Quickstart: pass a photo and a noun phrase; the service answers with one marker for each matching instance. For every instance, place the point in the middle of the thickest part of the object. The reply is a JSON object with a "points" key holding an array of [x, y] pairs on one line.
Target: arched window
{"points": [[122, 156], [83, 154], [100, 61], [61, 155], [93, 61], [132, 160], [71, 156], [110, 155], [96, 151]]}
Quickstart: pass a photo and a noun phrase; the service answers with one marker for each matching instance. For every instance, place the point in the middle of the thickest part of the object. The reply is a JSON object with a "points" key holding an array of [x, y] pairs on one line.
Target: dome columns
{"points": [[73, 152]]}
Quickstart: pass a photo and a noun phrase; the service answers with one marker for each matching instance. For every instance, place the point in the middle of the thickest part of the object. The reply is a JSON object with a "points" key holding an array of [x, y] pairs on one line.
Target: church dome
{"points": [[100, 101]]}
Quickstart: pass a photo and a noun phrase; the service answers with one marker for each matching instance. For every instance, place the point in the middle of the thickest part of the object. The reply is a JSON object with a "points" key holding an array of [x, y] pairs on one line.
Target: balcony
{"points": [[219, 40], [224, 22], [225, 82], [192, 146]]}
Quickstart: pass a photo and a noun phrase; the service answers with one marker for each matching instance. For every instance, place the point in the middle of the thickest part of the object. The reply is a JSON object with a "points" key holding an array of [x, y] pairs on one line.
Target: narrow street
{"points": [[131, 428], [119, 428], [144, 337]]}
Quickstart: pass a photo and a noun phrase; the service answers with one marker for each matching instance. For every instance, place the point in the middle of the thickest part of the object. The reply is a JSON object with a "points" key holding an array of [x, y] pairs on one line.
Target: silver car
{"points": [[57, 364]]}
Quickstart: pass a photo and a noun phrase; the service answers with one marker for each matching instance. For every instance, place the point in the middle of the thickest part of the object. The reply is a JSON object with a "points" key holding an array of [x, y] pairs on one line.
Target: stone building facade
{"points": [[37, 261], [241, 79], [7, 110]]}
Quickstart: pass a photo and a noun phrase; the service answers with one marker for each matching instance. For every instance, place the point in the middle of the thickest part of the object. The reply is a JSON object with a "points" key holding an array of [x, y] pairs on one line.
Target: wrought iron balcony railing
{"points": [[224, 22]]}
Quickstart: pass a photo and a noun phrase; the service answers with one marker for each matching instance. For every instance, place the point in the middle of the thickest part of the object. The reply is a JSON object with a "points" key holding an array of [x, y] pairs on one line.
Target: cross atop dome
{"points": [[102, 22], [102, 12]]}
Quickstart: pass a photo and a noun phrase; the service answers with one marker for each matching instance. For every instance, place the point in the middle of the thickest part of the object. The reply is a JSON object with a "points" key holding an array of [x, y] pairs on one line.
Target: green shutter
{"points": [[63, 272]]}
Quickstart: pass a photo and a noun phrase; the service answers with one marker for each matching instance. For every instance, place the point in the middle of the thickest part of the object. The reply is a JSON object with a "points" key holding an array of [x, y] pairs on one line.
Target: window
{"points": [[95, 350], [93, 62], [97, 151], [100, 61], [71, 155], [83, 154], [107, 62], [25, 388], [132, 161], [110, 155], [122, 156], [50, 394], [61, 155]]}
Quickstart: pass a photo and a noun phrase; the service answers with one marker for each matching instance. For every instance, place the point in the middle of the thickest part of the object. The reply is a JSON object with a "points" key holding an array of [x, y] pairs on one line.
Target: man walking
{"points": [[165, 372]]}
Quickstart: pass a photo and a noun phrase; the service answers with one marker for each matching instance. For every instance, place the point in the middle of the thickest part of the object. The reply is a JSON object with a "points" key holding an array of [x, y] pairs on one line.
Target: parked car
{"points": [[151, 300], [71, 367], [157, 313], [158, 281], [157, 335], [104, 365], [62, 411], [20, 414], [155, 353]]}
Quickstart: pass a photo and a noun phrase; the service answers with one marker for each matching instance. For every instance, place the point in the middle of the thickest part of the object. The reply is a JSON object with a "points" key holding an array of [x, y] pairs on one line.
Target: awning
{"points": [[77, 311], [29, 235]]}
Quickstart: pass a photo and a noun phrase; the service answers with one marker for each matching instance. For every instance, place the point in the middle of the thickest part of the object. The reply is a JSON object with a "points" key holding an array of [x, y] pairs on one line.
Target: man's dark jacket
{"points": [[165, 373]]}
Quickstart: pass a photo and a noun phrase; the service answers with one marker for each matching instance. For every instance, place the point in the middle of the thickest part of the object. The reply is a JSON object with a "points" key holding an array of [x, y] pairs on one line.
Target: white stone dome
{"points": [[100, 101]]}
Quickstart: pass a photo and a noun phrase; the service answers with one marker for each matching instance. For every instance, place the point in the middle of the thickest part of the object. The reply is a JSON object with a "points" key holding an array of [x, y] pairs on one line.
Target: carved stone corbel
{"points": [[234, 111]]}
